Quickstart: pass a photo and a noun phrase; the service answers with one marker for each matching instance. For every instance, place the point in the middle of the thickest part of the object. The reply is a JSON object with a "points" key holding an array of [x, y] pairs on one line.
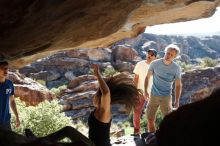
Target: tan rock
{"points": [[28, 90], [38, 28]]}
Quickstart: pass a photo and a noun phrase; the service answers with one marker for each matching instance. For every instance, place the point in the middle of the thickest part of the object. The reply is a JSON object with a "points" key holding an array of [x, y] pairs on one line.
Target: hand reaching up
{"points": [[95, 69]]}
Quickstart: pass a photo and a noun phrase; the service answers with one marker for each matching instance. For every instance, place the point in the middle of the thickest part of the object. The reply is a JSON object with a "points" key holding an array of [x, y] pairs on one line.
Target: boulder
{"points": [[28, 90]]}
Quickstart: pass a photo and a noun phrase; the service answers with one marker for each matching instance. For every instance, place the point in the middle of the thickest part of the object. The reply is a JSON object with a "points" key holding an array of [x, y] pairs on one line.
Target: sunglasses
{"points": [[150, 54]]}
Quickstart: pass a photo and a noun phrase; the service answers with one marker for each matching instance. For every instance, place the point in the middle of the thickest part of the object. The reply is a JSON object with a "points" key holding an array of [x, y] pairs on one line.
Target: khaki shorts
{"points": [[165, 104]]}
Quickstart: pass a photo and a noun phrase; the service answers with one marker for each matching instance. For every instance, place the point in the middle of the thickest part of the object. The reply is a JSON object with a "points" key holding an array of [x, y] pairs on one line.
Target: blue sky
{"points": [[205, 25]]}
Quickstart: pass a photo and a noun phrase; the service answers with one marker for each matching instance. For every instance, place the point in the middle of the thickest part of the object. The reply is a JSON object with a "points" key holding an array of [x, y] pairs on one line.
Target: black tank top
{"points": [[99, 132]]}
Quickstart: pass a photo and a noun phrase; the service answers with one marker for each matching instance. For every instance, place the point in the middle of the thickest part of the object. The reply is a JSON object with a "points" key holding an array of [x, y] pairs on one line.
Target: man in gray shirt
{"points": [[165, 72]]}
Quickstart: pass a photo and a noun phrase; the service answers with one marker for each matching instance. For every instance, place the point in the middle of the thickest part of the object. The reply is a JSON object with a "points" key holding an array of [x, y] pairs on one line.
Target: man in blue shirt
{"points": [[6, 98], [165, 72]]}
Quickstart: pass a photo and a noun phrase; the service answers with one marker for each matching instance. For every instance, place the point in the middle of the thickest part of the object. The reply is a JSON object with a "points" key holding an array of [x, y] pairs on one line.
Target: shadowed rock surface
{"points": [[33, 29], [9, 138], [192, 124]]}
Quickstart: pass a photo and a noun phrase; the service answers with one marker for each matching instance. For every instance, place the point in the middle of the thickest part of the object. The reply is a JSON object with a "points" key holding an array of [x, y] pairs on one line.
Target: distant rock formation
{"points": [[30, 91], [191, 46], [64, 66]]}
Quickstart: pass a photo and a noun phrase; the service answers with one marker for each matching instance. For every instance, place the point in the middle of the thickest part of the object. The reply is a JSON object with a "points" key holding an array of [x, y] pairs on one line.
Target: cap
{"points": [[154, 51]]}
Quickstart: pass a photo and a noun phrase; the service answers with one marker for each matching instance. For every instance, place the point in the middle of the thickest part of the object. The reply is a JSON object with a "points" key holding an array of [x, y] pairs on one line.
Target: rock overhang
{"points": [[37, 28]]}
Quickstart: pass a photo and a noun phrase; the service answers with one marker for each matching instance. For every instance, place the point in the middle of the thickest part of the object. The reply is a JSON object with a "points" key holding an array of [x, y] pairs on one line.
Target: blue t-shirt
{"points": [[6, 90], [163, 77]]}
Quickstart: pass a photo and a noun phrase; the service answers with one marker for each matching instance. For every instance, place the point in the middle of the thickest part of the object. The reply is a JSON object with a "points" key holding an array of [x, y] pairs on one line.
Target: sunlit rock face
{"points": [[33, 29], [30, 91]]}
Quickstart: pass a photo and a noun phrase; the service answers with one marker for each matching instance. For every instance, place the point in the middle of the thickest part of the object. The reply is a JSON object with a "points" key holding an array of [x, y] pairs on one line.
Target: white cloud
{"points": [[205, 25]]}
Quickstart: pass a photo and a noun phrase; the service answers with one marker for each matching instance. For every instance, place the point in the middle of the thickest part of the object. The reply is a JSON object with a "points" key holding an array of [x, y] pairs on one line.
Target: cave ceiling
{"points": [[32, 29]]}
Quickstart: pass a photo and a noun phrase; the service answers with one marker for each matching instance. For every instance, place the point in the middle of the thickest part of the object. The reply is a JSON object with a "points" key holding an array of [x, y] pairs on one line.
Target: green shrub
{"points": [[184, 66], [42, 119], [58, 91], [81, 125], [159, 118], [208, 62], [42, 82], [90, 71], [143, 122], [109, 72]]}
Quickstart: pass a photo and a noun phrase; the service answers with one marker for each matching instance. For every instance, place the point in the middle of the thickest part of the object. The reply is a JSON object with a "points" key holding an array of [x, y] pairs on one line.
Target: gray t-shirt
{"points": [[163, 77]]}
